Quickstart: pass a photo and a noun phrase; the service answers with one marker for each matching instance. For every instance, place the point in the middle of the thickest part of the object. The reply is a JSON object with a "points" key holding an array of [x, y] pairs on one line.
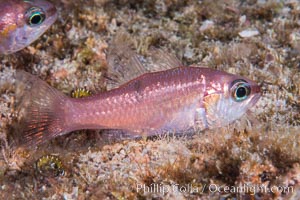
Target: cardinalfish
{"points": [[154, 102], [22, 22]]}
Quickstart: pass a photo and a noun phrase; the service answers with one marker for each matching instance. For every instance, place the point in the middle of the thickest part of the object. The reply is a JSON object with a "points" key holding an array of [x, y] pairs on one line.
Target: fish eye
{"points": [[35, 16], [240, 90]]}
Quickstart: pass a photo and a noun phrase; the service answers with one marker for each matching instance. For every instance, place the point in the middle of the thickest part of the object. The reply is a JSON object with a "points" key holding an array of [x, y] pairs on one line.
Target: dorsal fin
{"points": [[162, 60], [124, 64]]}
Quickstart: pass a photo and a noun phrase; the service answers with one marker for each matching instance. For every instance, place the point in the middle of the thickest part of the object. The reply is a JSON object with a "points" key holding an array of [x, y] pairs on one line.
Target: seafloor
{"points": [[257, 39]]}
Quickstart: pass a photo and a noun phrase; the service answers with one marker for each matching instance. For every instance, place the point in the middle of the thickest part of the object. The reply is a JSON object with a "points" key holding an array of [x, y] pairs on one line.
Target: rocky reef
{"points": [[257, 157]]}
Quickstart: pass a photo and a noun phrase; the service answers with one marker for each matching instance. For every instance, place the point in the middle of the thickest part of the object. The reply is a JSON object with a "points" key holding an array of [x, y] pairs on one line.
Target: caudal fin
{"points": [[40, 109]]}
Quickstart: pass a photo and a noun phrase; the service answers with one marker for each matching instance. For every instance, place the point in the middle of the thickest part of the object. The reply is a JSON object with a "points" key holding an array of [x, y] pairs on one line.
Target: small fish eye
{"points": [[35, 16], [240, 91]]}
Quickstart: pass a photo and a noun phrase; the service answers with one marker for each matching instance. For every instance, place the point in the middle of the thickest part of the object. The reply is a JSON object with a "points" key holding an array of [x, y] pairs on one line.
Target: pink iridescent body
{"points": [[151, 103], [172, 100], [22, 22]]}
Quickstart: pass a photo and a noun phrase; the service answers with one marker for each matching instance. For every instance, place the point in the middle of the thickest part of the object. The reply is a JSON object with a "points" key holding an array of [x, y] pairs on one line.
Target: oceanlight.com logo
{"points": [[250, 189], [212, 188]]}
